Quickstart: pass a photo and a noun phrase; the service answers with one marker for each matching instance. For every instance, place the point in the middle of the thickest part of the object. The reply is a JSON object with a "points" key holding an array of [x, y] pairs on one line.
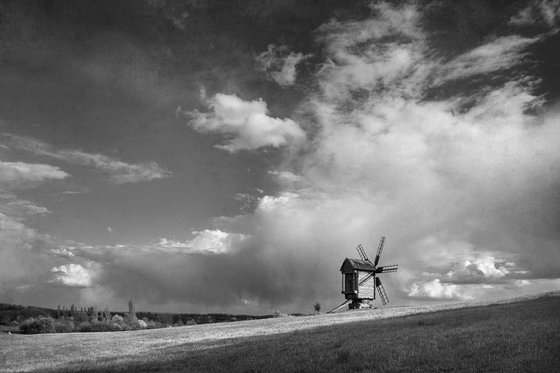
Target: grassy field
{"points": [[519, 336]]}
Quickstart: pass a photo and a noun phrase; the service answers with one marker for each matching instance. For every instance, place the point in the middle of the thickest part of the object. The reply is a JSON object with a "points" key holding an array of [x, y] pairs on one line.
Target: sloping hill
{"points": [[516, 335]]}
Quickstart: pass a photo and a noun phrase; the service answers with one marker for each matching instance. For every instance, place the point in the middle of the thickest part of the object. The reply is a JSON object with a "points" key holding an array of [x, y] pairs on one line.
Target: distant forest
{"points": [[31, 320]]}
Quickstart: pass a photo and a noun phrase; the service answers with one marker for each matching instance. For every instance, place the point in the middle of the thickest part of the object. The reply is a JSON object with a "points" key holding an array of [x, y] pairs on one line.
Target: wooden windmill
{"points": [[360, 283]]}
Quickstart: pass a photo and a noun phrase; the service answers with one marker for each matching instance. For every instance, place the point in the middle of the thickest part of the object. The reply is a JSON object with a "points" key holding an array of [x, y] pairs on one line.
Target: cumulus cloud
{"points": [[63, 251], [279, 64], [206, 241], [246, 124], [120, 172], [72, 275], [438, 290], [445, 181]]}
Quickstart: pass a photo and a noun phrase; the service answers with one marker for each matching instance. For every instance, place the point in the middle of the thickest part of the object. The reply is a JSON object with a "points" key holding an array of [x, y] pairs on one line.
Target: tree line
{"points": [[34, 320]]}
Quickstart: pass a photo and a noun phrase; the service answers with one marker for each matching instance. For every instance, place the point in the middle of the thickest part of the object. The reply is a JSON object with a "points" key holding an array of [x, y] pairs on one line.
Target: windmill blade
{"points": [[362, 252], [382, 292], [379, 250], [387, 269]]}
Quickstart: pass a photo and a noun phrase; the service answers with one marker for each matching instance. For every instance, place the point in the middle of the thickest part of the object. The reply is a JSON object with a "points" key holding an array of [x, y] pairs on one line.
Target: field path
{"points": [[50, 351]]}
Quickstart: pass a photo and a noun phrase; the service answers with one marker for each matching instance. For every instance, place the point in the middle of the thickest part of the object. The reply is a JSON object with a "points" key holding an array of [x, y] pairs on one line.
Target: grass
{"points": [[520, 336]]}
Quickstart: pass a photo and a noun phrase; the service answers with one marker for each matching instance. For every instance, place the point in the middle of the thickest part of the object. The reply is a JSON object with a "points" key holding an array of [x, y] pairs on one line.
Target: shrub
{"points": [[64, 326], [103, 327], [38, 326], [84, 326], [155, 325], [179, 323], [135, 325], [117, 319]]}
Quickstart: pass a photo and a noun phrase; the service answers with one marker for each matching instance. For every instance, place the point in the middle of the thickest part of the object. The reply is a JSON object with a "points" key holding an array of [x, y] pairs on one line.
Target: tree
{"points": [[106, 314], [131, 312], [317, 307]]}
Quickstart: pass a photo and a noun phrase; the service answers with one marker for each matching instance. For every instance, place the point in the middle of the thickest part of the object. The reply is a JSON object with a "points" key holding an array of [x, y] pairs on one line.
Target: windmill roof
{"points": [[362, 265]]}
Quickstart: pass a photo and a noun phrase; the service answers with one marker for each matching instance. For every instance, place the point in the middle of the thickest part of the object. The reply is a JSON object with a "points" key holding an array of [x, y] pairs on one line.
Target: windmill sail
{"points": [[362, 252], [379, 250], [387, 269], [382, 292]]}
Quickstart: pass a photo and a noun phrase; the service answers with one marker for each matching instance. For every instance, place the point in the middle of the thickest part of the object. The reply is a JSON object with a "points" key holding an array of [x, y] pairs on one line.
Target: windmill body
{"points": [[360, 281]]}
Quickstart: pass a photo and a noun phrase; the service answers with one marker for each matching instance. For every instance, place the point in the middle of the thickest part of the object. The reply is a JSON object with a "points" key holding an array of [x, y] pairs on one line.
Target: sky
{"points": [[227, 156]]}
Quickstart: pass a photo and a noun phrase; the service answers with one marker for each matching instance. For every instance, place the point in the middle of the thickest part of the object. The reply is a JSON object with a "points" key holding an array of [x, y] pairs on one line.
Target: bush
{"points": [[98, 326], [84, 326], [317, 307], [103, 327], [38, 326], [64, 326], [135, 325], [155, 325]]}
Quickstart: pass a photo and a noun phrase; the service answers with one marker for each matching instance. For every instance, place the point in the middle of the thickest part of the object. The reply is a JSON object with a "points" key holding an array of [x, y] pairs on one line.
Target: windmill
{"points": [[360, 281]]}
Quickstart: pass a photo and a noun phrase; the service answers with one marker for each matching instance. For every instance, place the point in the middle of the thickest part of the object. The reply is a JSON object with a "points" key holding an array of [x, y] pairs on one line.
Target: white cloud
{"points": [[485, 269], [436, 289], [120, 172], [499, 54], [72, 275], [539, 11], [205, 241], [12, 206], [522, 283], [63, 251], [15, 175], [279, 64], [246, 123]]}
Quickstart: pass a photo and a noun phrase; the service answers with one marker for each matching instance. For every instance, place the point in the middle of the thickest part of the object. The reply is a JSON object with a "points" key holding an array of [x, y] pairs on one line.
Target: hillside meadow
{"points": [[511, 336]]}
